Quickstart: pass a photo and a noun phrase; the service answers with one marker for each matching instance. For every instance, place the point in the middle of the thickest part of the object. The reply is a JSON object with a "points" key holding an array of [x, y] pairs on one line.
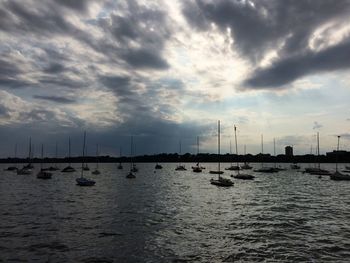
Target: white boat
{"points": [[69, 168], [242, 176], [337, 176], [82, 181], [225, 182]]}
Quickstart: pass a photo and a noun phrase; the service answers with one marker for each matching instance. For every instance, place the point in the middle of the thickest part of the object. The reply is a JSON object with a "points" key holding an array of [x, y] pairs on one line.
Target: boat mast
{"points": [[42, 156], [230, 153], [235, 128], [318, 150], [336, 161], [262, 151], [274, 150], [82, 161], [198, 150], [69, 151], [131, 151], [96, 156], [30, 149], [56, 154], [180, 153], [219, 146]]}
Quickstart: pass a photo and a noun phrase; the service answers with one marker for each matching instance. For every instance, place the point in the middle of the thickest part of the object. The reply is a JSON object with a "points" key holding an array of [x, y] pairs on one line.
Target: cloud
{"points": [[317, 126], [290, 69], [56, 99], [288, 28]]}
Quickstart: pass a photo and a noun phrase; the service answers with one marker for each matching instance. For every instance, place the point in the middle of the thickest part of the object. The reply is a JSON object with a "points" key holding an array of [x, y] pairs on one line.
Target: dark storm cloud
{"points": [[4, 111], [78, 5], [26, 18], [142, 58], [290, 69], [265, 25], [149, 28], [54, 68], [56, 99]]}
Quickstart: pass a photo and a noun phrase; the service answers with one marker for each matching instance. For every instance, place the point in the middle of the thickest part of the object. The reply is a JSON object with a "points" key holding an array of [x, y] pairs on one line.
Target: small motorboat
{"points": [[130, 175], [96, 172], [11, 168], [158, 166], [68, 169], [24, 171], [221, 182], [243, 176], [233, 168], [180, 168], [337, 176], [294, 166], [246, 166], [196, 169], [85, 182], [43, 175]]}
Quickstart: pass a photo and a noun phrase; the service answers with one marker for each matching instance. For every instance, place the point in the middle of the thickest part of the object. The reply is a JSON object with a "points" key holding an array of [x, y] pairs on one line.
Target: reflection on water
{"points": [[173, 216]]}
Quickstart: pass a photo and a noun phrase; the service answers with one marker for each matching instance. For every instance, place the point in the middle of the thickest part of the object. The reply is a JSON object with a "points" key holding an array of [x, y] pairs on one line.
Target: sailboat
{"points": [[86, 167], [52, 168], [239, 175], [180, 167], [245, 166], [279, 168], [27, 169], [233, 167], [130, 175], [197, 168], [55, 167], [13, 168], [264, 169], [43, 174], [120, 166], [221, 181], [96, 171], [337, 176], [317, 170], [82, 181], [69, 168]]}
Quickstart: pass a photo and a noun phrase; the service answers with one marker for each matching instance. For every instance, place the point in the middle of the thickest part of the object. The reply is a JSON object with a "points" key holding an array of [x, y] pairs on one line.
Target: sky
{"points": [[165, 72]]}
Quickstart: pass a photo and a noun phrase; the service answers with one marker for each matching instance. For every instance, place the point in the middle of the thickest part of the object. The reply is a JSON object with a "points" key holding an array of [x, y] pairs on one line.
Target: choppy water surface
{"points": [[173, 216]]}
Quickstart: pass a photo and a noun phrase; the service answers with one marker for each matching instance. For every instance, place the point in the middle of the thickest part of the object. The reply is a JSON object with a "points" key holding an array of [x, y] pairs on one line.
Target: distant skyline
{"points": [[165, 71]]}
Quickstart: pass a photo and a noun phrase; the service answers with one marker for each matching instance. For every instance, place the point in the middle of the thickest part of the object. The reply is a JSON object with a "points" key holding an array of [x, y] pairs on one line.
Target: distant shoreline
{"points": [[343, 157]]}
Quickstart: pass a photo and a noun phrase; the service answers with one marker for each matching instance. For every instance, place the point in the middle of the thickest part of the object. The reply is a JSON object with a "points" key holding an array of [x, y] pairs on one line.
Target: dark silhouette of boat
{"points": [[158, 166], [43, 174], [27, 169], [294, 166], [337, 176], [133, 168], [197, 168], [13, 168], [242, 176], [69, 168], [317, 170], [180, 167], [225, 182], [82, 181], [96, 171]]}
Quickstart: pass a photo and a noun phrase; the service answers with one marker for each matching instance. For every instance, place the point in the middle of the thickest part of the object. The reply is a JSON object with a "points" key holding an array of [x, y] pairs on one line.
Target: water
{"points": [[174, 216]]}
